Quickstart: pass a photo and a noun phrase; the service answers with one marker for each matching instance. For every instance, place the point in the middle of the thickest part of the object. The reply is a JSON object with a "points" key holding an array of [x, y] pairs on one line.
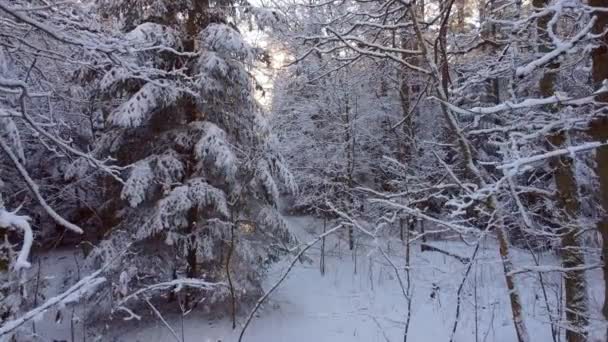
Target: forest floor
{"points": [[359, 299]]}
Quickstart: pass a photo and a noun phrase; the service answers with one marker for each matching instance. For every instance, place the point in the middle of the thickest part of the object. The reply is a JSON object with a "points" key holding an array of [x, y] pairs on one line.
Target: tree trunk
{"points": [[567, 201], [572, 255], [460, 16], [471, 165], [350, 165], [405, 94], [198, 19], [599, 132]]}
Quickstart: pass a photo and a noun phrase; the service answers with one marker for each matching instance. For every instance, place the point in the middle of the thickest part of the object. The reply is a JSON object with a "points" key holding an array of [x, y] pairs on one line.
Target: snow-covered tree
{"points": [[45, 124], [509, 97], [201, 190]]}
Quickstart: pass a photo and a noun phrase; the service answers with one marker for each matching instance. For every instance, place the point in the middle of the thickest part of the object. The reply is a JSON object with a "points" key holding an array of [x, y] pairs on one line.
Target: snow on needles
{"points": [[214, 146], [139, 107], [226, 41]]}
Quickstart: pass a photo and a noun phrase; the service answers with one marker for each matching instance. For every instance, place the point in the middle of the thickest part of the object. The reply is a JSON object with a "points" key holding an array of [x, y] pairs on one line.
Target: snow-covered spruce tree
{"points": [[200, 197]]}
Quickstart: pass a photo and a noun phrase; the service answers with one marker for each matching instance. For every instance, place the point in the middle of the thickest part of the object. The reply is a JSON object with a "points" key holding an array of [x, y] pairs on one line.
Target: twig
{"points": [[77, 290], [162, 319], [459, 292], [34, 188], [228, 275], [276, 285], [427, 247]]}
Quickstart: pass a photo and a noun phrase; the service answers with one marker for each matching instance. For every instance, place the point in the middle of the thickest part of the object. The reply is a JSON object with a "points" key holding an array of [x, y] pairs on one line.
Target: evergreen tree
{"points": [[203, 175]]}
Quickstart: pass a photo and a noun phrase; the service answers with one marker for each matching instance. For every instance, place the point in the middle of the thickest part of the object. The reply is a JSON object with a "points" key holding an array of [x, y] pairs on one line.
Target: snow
{"points": [[11, 220], [56, 264], [213, 145], [139, 107], [138, 183], [226, 41], [359, 299], [9, 130]]}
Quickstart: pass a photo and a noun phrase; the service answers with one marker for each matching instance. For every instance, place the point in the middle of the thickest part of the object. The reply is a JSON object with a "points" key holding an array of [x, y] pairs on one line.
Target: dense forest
{"points": [[304, 170]]}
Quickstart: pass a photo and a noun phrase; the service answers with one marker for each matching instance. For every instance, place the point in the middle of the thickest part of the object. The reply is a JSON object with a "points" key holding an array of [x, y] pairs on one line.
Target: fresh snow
{"points": [[359, 299], [10, 220]]}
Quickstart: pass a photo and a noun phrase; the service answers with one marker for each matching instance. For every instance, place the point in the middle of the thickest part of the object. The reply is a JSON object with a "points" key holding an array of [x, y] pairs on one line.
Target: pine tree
{"points": [[201, 194]]}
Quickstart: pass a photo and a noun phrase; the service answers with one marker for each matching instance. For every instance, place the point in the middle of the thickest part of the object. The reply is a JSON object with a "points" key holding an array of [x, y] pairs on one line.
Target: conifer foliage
{"points": [[203, 176]]}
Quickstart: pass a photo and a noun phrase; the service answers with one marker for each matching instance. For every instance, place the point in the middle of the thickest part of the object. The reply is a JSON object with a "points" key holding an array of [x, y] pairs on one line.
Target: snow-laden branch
{"points": [[416, 212], [527, 103], [15, 13], [10, 83], [34, 189], [561, 48], [9, 220], [112, 170], [374, 53], [512, 168], [73, 294], [177, 284], [87, 43], [549, 269]]}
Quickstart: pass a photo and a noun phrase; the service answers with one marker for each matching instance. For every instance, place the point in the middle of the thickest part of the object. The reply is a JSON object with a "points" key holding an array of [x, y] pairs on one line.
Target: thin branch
{"points": [[276, 284], [34, 189]]}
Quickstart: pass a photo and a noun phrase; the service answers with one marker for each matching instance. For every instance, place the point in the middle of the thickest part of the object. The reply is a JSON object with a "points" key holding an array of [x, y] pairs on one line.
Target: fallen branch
{"points": [[86, 285], [429, 248], [178, 283], [552, 269], [162, 319]]}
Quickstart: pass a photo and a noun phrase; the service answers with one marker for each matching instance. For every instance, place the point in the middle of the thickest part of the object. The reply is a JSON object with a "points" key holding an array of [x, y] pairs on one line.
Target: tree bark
{"points": [[572, 256], [470, 163], [460, 15], [198, 19], [599, 132], [567, 201], [350, 165]]}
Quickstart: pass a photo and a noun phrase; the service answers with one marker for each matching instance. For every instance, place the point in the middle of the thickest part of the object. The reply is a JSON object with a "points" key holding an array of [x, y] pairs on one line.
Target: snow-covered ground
{"points": [[359, 299]]}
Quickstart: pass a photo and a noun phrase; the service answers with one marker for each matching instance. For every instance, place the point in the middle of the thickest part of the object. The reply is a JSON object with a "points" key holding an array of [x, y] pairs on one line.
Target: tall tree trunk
{"points": [[406, 146], [599, 131], [492, 91], [460, 15], [198, 19], [572, 255], [471, 165], [350, 165], [516, 307], [567, 199]]}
